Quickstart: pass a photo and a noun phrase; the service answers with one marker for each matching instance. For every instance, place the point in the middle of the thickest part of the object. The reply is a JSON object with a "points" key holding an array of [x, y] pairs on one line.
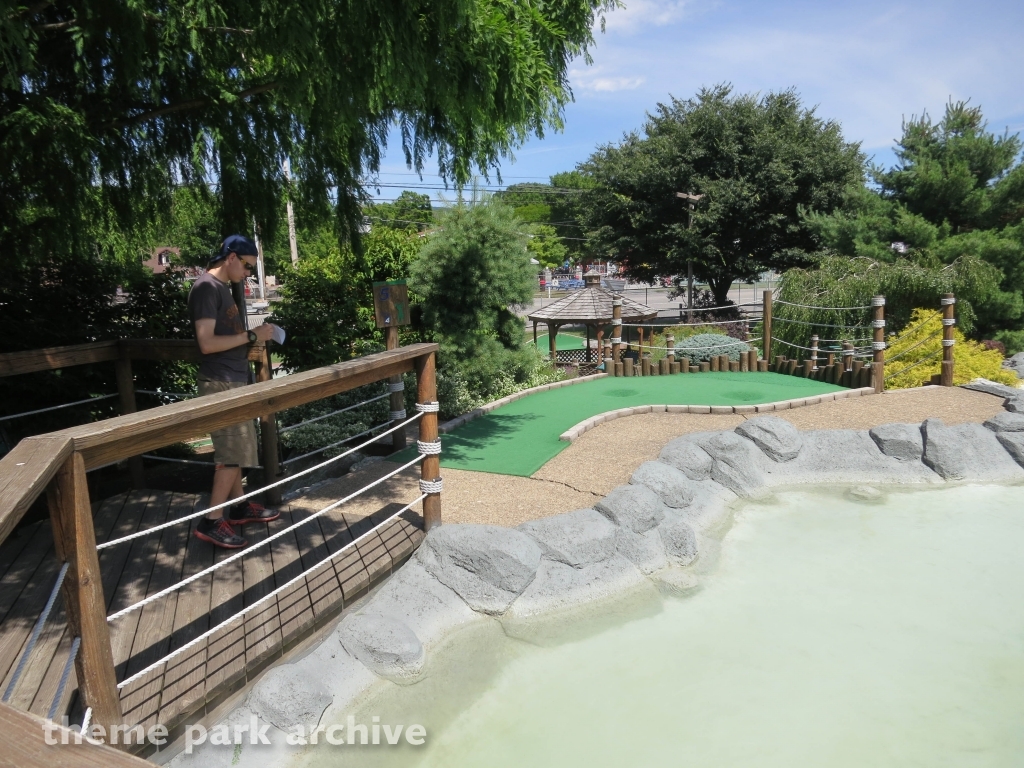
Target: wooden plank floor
{"points": [[202, 677]]}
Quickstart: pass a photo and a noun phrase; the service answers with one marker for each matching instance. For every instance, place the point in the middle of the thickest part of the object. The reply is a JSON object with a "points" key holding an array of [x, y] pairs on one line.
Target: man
{"points": [[223, 340]]}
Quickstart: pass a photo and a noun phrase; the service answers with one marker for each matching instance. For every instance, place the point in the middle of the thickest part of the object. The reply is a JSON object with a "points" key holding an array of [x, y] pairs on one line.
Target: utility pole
{"points": [[291, 214], [692, 200]]}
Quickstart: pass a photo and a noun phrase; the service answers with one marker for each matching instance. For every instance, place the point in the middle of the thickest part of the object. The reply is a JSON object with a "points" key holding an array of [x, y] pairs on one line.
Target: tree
{"points": [[756, 162], [105, 107], [410, 210], [955, 172]]}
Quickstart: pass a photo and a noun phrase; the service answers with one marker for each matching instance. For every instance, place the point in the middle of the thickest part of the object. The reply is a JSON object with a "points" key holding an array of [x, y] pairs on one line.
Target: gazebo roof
{"points": [[592, 304]]}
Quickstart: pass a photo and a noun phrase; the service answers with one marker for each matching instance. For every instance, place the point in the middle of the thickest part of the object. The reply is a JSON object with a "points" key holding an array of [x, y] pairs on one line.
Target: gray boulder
{"points": [[429, 608], [678, 539], [1015, 364], [1013, 442], [487, 565], [288, 696], [1004, 421], [992, 388], [634, 507], [688, 457], [645, 550], [848, 456], [779, 439], [737, 462], [901, 441], [967, 452], [579, 538], [384, 644], [1015, 404], [671, 484], [559, 587]]}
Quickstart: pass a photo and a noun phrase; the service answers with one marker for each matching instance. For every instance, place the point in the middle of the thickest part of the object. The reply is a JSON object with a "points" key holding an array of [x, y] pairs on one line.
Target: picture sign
{"points": [[391, 303]]}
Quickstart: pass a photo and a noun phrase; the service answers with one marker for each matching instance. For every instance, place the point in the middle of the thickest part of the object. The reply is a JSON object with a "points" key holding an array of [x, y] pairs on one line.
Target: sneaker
{"points": [[219, 533], [240, 514]]}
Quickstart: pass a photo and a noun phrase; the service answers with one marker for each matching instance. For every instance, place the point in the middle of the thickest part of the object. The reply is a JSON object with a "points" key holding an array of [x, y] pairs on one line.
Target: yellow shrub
{"points": [[970, 359]]}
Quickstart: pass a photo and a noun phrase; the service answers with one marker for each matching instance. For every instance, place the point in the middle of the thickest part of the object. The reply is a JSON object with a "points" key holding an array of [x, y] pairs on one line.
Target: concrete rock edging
{"points": [[659, 534], [458, 421], [781, 405]]}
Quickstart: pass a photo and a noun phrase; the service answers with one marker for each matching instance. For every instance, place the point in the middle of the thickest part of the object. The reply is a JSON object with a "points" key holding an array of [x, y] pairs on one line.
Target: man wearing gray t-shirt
{"points": [[224, 364]]}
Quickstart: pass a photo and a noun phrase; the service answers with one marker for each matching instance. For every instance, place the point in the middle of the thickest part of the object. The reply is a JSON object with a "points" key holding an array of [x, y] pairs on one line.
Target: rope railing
{"points": [[290, 427], [825, 309], [158, 393], [13, 416], [36, 630], [262, 543], [267, 597], [898, 355], [315, 451], [257, 492], [154, 457], [653, 327], [65, 675], [923, 360], [815, 325]]}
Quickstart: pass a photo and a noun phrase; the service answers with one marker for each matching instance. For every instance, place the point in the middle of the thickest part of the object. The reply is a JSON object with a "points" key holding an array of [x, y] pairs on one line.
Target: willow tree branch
{"points": [[182, 106]]}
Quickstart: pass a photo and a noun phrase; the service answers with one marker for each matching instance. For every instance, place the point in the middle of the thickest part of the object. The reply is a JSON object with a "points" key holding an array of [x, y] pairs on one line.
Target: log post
{"points": [[814, 352], [766, 326], [430, 467], [684, 365], [948, 321], [617, 333], [552, 348], [396, 385], [878, 344], [268, 433], [74, 540], [847, 364], [126, 398], [627, 366], [714, 361]]}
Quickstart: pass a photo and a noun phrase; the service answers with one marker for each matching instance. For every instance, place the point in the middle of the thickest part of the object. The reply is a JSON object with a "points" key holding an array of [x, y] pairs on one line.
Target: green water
{"points": [[831, 633]]}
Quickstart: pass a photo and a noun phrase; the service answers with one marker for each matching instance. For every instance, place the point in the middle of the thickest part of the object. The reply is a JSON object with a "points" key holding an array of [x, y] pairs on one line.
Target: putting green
{"points": [[519, 438], [562, 341]]}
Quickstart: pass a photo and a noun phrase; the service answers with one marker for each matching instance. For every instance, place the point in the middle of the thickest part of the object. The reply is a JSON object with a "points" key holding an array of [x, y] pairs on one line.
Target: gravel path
{"points": [[608, 455]]}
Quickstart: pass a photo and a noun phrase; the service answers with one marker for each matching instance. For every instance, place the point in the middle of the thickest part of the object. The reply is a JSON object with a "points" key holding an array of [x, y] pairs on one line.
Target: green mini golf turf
{"points": [[562, 341], [519, 438]]}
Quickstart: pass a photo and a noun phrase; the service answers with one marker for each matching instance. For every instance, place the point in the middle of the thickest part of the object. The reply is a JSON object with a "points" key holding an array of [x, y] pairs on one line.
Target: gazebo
{"points": [[590, 306]]}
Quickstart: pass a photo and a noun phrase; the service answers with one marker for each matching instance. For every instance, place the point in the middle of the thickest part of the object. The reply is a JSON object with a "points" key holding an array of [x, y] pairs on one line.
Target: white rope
{"points": [[35, 633], [195, 641], [396, 386], [878, 323], [397, 415], [257, 545], [328, 415], [878, 346], [878, 301], [369, 431], [948, 342], [87, 719], [797, 346], [431, 486], [947, 302], [724, 306], [689, 325], [827, 309], [898, 355], [431, 407], [429, 449], [698, 349], [948, 321], [179, 395], [56, 407], [919, 362], [64, 676], [816, 325], [249, 495]]}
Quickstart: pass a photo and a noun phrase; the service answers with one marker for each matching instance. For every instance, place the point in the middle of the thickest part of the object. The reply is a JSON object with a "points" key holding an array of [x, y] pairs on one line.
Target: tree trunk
{"points": [[720, 290]]}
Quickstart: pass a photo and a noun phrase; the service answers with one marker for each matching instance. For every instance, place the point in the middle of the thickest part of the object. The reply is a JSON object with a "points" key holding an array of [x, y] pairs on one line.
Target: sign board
{"points": [[391, 303]]}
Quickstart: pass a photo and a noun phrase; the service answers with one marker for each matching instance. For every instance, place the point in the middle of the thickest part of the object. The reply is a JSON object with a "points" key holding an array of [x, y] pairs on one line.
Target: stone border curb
{"points": [[458, 421], [782, 405]]}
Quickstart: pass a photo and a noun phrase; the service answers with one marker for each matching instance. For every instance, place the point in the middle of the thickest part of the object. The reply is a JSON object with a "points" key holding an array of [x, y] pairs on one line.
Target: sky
{"points": [[867, 65]]}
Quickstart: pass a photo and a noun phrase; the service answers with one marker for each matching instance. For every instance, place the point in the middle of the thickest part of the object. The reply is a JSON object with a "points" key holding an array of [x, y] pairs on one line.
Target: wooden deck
{"points": [[197, 681]]}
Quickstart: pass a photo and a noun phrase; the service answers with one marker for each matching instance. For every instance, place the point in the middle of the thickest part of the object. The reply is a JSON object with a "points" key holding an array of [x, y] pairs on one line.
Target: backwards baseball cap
{"points": [[239, 244]]}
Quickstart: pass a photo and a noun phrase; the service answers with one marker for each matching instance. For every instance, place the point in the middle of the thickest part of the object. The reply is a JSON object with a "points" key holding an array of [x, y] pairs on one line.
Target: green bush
{"points": [[1012, 340], [703, 346]]}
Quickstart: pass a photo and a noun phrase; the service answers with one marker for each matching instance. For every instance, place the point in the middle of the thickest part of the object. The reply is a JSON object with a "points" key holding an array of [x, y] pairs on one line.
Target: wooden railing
{"points": [[57, 463], [121, 352]]}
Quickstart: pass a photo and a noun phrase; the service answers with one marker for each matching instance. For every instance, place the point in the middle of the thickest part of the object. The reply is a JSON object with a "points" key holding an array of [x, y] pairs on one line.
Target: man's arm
{"points": [[210, 343]]}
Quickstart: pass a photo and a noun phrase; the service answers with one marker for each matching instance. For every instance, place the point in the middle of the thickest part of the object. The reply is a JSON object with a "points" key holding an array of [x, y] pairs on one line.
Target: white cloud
{"points": [[597, 79], [641, 14]]}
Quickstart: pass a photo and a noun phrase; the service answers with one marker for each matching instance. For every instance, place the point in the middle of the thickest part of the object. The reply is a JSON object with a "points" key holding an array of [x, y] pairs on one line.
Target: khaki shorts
{"points": [[234, 445]]}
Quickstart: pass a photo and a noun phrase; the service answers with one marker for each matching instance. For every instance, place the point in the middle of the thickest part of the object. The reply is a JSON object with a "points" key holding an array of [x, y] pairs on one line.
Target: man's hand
{"points": [[264, 332]]}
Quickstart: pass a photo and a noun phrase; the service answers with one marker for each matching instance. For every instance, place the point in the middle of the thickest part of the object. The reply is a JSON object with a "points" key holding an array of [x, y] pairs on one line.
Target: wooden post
{"points": [[627, 366], [534, 333], [552, 349], [684, 365], [645, 363], [766, 326], [664, 366], [589, 359], [617, 333], [268, 434], [948, 321], [847, 365], [878, 344], [713, 362], [640, 348], [397, 400], [430, 468], [74, 540], [814, 352], [126, 396]]}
